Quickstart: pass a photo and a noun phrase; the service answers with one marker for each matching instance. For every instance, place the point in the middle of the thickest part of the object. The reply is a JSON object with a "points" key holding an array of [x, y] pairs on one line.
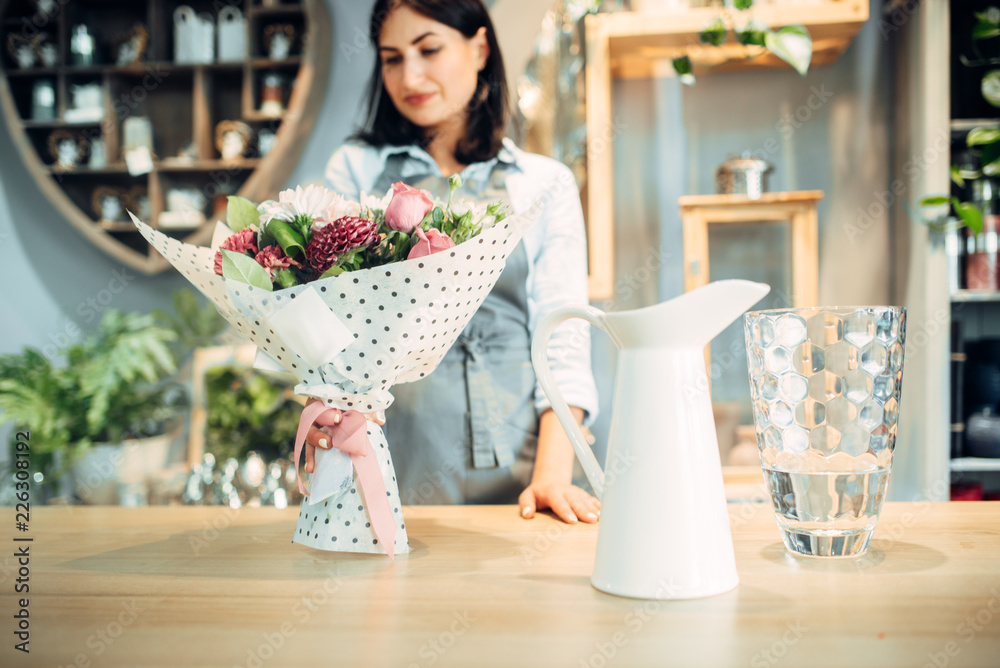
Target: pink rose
{"points": [[242, 242], [432, 241], [407, 207]]}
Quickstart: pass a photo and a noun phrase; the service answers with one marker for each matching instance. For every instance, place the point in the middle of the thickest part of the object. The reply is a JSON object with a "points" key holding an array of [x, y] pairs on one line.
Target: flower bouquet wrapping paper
{"points": [[349, 336]]}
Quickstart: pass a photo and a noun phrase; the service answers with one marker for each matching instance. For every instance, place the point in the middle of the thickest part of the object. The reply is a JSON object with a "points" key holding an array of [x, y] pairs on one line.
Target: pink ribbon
{"points": [[350, 435]]}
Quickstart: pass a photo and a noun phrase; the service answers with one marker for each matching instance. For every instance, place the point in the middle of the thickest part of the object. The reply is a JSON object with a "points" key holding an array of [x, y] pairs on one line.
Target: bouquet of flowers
{"points": [[351, 298]]}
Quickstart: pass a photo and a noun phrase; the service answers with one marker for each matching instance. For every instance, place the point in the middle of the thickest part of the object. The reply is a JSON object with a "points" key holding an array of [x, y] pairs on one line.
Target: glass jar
{"points": [[982, 270]]}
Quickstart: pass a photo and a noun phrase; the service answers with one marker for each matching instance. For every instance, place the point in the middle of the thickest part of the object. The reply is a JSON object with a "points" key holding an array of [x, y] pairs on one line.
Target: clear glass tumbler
{"points": [[825, 385]]}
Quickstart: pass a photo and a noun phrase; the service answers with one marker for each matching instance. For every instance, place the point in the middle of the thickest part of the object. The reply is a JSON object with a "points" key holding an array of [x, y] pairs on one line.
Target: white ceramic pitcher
{"points": [[664, 530]]}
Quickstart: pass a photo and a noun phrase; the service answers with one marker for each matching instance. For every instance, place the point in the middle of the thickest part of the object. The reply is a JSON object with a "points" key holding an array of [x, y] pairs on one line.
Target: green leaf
{"points": [[714, 34], [245, 269], [935, 200], [793, 45], [285, 278], [332, 271], [990, 87], [754, 33], [288, 238], [991, 159], [742, 5], [682, 66], [985, 30], [982, 136], [240, 213], [956, 176], [970, 214]]}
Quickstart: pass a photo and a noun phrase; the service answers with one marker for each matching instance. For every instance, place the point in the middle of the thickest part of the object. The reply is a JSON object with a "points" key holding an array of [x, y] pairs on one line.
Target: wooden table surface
{"points": [[217, 587]]}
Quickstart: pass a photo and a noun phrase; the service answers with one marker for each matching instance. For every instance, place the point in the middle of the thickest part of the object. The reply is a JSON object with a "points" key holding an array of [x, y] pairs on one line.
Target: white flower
{"points": [[375, 202], [338, 208], [311, 202]]}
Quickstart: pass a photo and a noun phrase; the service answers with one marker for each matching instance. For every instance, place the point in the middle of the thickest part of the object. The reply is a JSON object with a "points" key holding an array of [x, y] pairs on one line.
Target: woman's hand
{"points": [[550, 480], [319, 437], [568, 502]]}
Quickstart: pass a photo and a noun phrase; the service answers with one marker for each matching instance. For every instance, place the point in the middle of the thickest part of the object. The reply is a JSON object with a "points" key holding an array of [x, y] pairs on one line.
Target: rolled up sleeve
{"points": [[559, 279]]}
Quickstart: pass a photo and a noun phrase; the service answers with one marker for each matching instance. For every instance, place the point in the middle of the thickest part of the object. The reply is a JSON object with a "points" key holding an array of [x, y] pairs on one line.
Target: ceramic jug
{"points": [[664, 529]]}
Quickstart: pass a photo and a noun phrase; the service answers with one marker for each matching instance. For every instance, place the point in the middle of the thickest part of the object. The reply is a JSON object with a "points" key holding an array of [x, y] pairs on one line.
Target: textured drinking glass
{"points": [[825, 385]]}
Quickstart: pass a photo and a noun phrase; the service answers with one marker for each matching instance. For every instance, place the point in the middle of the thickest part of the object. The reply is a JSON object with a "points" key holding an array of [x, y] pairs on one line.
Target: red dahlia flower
{"points": [[337, 238]]}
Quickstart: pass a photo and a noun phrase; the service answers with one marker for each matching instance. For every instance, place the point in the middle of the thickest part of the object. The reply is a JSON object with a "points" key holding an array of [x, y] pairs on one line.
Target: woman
{"points": [[436, 107]]}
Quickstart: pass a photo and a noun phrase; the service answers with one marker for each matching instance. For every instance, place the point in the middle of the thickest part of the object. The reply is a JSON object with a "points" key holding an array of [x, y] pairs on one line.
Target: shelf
{"points": [[116, 226], [966, 124], [637, 40], [975, 296], [205, 165], [118, 168], [256, 116], [54, 124], [265, 63], [185, 103], [970, 464], [277, 10], [34, 72]]}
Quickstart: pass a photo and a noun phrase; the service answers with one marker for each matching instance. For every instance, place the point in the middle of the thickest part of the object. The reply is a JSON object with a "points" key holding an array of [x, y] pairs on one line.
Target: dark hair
{"points": [[487, 111]]}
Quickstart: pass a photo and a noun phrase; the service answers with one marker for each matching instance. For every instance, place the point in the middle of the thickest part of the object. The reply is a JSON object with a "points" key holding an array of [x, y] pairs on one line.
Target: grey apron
{"points": [[467, 433]]}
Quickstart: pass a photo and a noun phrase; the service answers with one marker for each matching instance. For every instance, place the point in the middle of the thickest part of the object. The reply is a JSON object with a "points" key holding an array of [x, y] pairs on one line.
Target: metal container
{"points": [[742, 176]]}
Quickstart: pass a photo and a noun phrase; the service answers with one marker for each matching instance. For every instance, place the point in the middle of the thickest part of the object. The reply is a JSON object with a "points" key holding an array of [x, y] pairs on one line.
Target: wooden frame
{"points": [[797, 208], [259, 178], [634, 44]]}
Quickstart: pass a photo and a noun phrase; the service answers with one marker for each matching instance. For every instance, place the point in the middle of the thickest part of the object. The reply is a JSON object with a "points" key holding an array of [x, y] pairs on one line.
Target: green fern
{"points": [[112, 383]]}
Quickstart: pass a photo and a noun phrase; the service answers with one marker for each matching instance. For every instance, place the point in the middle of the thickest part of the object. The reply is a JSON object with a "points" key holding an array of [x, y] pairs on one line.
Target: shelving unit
{"points": [[975, 314], [641, 44], [975, 464], [184, 103]]}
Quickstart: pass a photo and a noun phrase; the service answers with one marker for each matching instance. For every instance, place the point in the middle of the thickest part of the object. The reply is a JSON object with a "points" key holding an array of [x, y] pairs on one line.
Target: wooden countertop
{"points": [[216, 587]]}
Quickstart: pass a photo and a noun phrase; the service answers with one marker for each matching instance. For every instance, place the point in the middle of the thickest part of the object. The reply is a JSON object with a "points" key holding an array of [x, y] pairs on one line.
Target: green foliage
{"points": [[682, 66], [240, 213], [113, 383], [291, 241], [248, 410], [714, 34], [245, 269], [195, 321], [984, 142], [793, 44]]}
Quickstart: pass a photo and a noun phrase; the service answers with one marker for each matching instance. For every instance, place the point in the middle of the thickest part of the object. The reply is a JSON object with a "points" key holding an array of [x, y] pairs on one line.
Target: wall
{"points": [[829, 130], [53, 273], [57, 282]]}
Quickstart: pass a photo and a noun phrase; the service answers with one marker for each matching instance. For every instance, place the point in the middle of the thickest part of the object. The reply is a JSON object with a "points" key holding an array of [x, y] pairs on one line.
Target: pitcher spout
{"points": [[690, 320]]}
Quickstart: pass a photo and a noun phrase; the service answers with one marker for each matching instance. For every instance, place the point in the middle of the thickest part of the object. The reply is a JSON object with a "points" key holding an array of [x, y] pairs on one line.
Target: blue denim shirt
{"points": [[556, 244]]}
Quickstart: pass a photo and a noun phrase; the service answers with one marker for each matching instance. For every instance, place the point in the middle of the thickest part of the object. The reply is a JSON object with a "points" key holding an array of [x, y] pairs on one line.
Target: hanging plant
{"points": [[792, 44]]}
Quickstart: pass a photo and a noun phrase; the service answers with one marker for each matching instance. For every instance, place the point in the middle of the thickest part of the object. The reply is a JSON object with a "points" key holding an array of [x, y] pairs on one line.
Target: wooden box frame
{"points": [[797, 208], [641, 44]]}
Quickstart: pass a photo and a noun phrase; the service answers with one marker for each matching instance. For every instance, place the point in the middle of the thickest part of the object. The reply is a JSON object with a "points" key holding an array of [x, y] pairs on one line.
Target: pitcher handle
{"points": [[540, 361]]}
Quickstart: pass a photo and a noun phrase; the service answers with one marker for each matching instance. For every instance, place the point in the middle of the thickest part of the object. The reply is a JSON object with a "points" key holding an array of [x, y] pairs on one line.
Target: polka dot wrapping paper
{"points": [[402, 318]]}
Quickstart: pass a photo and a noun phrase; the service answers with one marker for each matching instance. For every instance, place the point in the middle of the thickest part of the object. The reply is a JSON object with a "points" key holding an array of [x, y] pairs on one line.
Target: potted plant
{"points": [[114, 385], [948, 213]]}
